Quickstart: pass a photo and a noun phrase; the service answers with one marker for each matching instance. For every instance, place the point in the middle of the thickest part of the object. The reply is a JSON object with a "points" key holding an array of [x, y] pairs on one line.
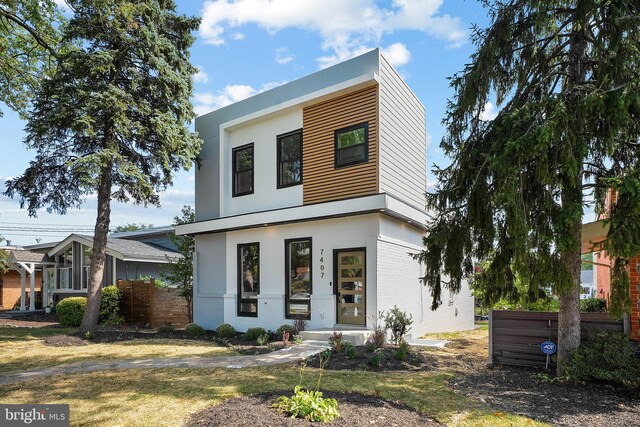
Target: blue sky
{"points": [[247, 46]]}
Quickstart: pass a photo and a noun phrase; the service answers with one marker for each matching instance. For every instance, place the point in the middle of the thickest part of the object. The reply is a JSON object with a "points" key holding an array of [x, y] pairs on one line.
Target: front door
{"points": [[350, 286]]}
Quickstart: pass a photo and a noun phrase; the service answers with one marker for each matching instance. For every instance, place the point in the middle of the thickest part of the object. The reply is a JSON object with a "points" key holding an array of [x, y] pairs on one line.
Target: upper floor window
{"points": [[290, 159], [352, 145], [243, 170]]}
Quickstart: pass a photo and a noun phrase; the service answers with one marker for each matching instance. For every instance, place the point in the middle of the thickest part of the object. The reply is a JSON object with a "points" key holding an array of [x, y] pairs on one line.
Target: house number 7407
{"points": [[322, 263]]}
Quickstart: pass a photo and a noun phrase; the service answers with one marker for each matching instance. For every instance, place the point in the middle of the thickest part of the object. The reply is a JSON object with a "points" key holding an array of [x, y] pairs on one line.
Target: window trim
{"points": [[279, 183], [336, 150], [239, 298], [287, 280], [235, 171]]}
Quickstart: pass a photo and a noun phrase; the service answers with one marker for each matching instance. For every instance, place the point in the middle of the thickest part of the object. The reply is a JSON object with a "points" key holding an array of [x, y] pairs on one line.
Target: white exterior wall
{"points": [[399, 284], [265, 195], [403, 141], [215, 296]]}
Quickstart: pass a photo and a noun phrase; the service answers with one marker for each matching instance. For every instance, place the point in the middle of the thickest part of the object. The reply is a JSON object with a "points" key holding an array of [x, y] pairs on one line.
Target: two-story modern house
{"points": [[309, 200]]}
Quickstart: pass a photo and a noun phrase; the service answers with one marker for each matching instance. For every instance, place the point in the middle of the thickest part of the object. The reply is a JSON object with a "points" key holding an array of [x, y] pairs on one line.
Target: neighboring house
{"points": [[63, 267], [16, 286], [309, 200]]}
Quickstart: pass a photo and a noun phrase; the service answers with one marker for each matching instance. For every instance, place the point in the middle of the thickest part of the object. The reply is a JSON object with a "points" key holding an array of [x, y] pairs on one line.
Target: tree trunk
{"points": [[569, 312], [99, 253]]}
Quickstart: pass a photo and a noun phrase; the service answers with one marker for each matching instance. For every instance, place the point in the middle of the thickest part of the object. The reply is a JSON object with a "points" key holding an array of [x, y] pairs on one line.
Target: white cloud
{"points": [[283, 55], [347, 28], [397, 54], [201, 76], [489, 112], [207, 101], [237, 36]]}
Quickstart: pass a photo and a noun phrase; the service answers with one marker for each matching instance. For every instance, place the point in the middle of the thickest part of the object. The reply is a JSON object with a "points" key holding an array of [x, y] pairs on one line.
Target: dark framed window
{"points": [[243, 170], [289, 159], [352, 145], [248, 279], [298, 274]]}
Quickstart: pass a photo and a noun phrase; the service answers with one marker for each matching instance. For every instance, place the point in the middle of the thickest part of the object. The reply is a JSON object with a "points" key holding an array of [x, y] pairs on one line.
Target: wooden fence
{"points": [[515, 336], [142, 302]]}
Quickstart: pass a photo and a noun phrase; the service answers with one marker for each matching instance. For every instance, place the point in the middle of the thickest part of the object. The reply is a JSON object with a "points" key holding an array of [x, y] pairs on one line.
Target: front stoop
{"points": [[354, 336]]}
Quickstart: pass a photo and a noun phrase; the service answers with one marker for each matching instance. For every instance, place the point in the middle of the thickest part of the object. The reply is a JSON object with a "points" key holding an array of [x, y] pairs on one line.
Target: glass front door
{"points": [[350, 286]]}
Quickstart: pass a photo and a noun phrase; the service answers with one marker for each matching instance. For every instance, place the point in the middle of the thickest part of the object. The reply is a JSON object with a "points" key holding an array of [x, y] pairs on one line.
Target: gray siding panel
{"points": [[403, 142]]}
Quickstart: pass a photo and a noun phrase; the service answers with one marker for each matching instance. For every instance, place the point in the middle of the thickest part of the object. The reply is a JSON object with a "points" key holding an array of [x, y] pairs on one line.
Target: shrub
{"points": [[110, 306], [252, 334], [262, 339], [194, 330], [71, 310], [379, 334], [402, 351], [593, 305], [398, 323], [308, 404], [225, 330], [299, 323], [370, 346], [336, 342], [285, 328], [166, 329], [375, 360], [350, 350], [605, 357]]}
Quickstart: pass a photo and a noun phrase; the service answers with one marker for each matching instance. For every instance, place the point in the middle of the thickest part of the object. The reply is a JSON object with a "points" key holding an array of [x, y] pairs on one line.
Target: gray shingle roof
{"points": [[135, 249], [28, 256]]}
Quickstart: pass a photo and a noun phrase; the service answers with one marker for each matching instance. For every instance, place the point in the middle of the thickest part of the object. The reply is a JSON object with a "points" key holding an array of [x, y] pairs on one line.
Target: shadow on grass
{"points": [[11, 333]]}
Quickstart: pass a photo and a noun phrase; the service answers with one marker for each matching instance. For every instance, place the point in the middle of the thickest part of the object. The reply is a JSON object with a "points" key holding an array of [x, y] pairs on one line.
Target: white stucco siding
{"points": [[265, 195], [403, 144], [217, 286]]}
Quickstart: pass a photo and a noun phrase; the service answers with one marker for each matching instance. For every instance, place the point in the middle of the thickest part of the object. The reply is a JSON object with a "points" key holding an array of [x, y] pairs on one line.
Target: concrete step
{"points": [[354, 336]]}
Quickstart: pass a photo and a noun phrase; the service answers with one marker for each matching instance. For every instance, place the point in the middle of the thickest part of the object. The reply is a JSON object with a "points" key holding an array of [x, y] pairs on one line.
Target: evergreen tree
{"points": [[180, 271], [29, 44], [113, 118], [567, 75]]}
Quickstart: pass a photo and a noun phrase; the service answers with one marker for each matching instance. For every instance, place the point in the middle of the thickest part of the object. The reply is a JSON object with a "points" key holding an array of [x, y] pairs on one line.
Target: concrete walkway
{"points": [[286, 355]]}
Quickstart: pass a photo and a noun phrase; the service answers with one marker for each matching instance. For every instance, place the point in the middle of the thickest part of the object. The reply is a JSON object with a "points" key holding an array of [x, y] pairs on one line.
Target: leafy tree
{"points": [[113, 118], [567, 76], [4, 261], [180, 271], [132, 226], [29, 45]]}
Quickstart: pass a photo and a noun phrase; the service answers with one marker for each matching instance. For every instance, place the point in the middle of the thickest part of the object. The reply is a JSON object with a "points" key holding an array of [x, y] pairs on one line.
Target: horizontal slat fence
{"points": [[144, 303], [515, 336]]}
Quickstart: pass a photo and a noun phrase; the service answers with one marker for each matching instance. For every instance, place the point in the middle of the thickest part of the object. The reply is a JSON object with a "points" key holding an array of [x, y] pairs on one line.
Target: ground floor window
{"points": [[64, 282], [298, 278], [248, 279]]}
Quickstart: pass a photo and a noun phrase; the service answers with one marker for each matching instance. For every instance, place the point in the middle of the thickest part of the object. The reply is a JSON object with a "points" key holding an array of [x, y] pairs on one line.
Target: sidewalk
{"points": [[286, 355]]}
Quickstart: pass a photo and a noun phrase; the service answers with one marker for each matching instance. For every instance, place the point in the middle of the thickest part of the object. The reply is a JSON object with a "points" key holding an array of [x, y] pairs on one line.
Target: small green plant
{"points": [[262, 339], [70, 311], [225, 330], [370, 346], [350, 350], [166, 329], [606, 357], [88, 335], [252, 334], [336, 342], [297, 339], [309, 404], [398, 323], [402, 352], [194, 330], [593, 305], [285, 328], [374, 361]]}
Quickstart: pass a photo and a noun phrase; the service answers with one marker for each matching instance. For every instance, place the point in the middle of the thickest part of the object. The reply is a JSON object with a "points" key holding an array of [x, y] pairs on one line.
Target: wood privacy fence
{"points": [[515, 336], [142, 302]]}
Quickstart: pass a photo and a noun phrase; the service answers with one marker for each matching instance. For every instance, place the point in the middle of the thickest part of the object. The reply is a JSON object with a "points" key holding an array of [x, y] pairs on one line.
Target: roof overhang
{"points": [[379, 203]]}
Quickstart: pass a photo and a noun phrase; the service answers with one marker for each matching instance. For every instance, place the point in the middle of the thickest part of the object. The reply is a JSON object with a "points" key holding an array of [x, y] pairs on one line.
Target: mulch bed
{"points": [[519, 391], [31, 321], [65, 341], [416, 360], [356, 410]]}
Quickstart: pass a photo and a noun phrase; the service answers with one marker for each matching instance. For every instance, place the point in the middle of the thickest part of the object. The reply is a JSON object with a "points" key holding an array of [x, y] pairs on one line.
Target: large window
{"points": [[290, 159], [298, 277], [352, 145], [64, 281], [243, 170], [248, 279]]}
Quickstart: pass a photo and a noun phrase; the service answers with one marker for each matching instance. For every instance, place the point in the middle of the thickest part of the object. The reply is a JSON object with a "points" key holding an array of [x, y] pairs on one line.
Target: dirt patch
{"points": [[65, 341], [520, 391], [356, 410], [30, 321], [380, 360]]}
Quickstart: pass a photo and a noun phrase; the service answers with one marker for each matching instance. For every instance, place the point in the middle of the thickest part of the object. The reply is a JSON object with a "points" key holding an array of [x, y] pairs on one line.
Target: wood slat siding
{"points": [[515, 336], [322, 181], [403, 142]]}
